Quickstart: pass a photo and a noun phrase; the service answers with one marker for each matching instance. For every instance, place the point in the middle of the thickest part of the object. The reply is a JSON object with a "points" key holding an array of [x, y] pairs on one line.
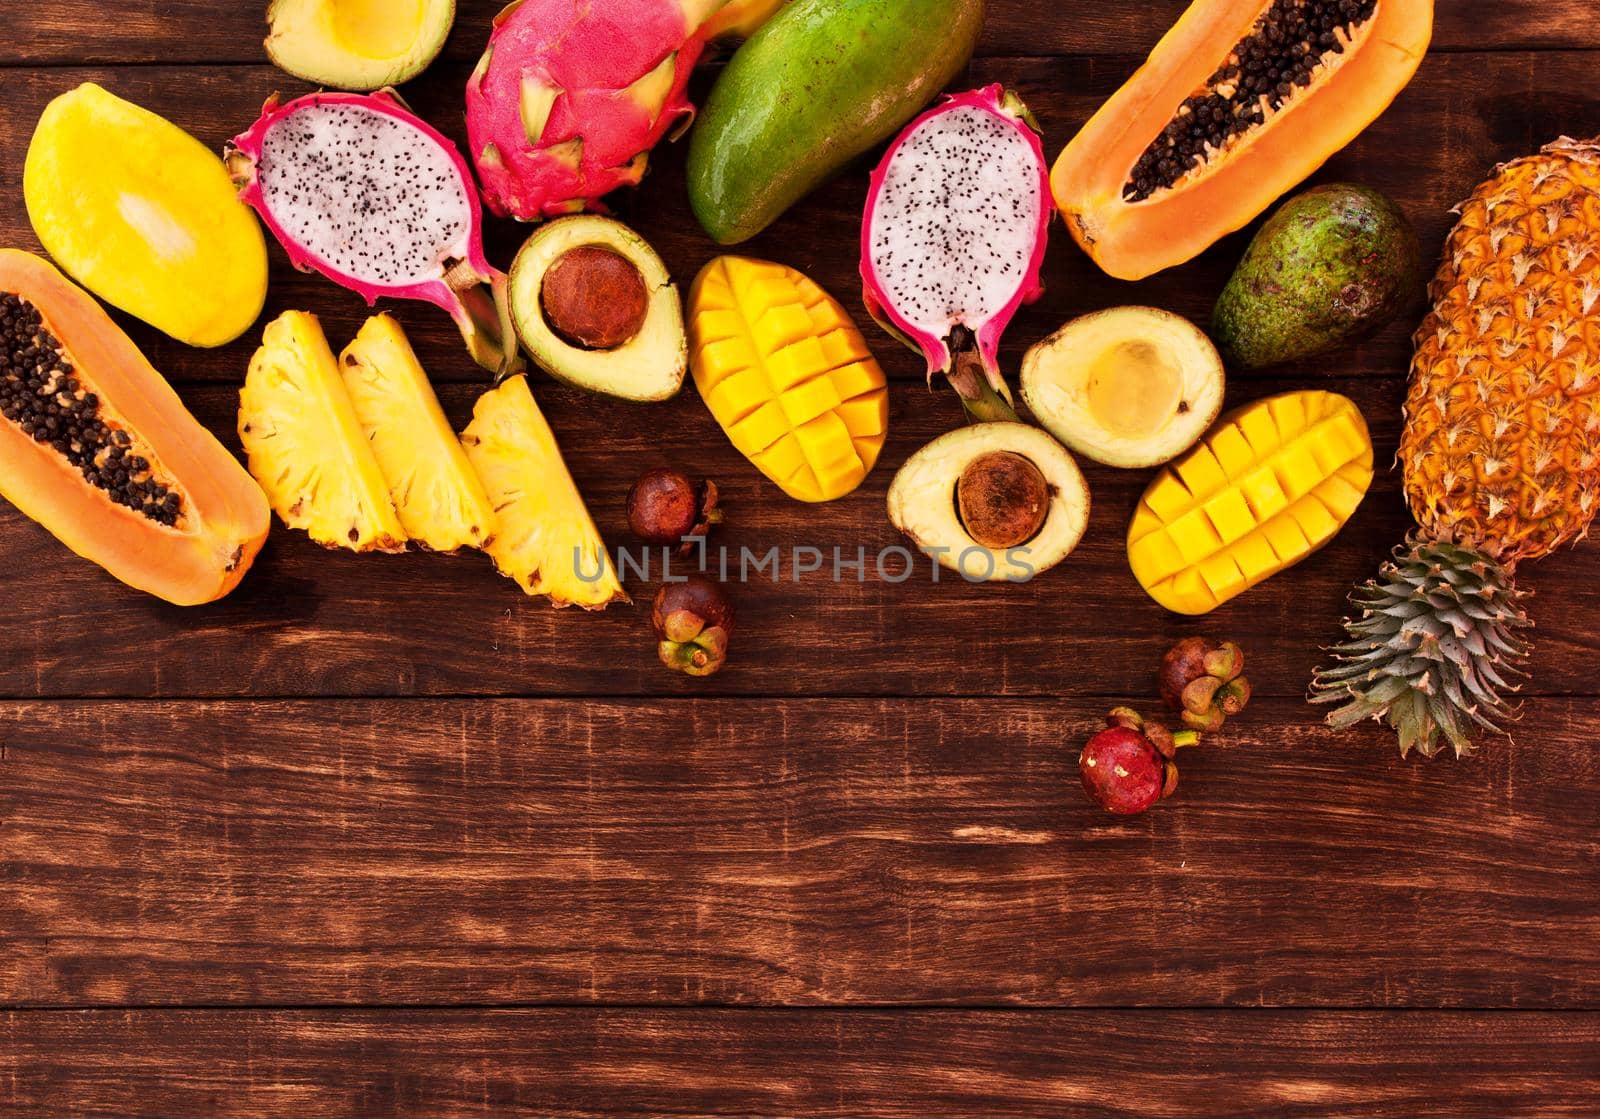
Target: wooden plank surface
{"points": [[205, 32], [821, 853], [522, 870], [822, 1065]]}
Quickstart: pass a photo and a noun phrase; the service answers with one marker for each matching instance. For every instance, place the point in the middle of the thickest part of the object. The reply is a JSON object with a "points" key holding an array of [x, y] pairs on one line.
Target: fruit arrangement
{"points": [[1234, 108]]}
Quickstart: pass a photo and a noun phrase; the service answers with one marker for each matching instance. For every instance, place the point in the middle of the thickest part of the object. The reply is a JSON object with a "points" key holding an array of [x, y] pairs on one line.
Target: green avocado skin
{"points": [[1334, 265], [823, 82]]}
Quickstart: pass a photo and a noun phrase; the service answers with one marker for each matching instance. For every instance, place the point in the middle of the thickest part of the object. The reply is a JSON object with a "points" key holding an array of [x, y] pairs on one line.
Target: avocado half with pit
{"points": [[594, 305], [1129, 387], [996, 502], [359, 45]]}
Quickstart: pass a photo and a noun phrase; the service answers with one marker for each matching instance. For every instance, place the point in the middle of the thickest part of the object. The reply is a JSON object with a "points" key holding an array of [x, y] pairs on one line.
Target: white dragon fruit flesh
{"points": [[571, 97], [957, 220], [358, 188]]}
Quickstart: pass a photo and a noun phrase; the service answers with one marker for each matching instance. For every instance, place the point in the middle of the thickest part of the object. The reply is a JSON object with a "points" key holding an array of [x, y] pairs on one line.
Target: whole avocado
{"points": [[1334, 265], [822, 83]]}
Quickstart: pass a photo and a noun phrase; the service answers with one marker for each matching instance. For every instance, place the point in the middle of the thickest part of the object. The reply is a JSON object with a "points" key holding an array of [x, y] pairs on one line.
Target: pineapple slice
{"points": [[546, 539], [305, 444], [1268, 486], [437, 494]]}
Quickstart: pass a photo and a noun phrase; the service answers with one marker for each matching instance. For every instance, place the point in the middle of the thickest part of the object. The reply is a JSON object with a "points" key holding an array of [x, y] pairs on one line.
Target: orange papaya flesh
{"points": [[1135, 231], [98, 448]]}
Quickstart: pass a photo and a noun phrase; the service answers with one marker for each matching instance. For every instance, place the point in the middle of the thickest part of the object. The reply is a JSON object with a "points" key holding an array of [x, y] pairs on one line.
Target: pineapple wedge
{"points": [[1269, 485], [437, 494], [305, 444], [546, 539]]}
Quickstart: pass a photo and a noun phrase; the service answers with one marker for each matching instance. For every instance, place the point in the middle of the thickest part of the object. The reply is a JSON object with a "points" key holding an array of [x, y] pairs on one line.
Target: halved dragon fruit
{"points": [[360, 189], [570, 98], [957, 220]]}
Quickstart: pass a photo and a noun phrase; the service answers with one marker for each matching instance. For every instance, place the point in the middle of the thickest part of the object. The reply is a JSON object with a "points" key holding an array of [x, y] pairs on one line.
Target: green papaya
{"points": [[1334, 265], [822, 83]]}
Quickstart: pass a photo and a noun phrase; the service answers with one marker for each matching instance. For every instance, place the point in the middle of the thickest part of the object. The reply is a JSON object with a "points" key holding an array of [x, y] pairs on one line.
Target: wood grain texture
{"points": [[206, 32], [572, 1064], [1479, 110], [782, 853], [755, 895]]}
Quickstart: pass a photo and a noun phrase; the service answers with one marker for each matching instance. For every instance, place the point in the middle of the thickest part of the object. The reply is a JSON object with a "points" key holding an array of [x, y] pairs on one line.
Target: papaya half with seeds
{"points": [[1241, 101], [96, 447]]}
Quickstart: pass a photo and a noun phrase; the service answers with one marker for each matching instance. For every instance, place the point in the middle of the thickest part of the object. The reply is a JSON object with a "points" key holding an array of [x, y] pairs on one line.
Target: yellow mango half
{"points": [[145, 216], [785, 371], [1271, 484]]}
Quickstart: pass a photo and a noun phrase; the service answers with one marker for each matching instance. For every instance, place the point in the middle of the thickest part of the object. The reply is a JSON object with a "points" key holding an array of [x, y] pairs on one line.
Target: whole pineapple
{"points": [[1501, 456]]}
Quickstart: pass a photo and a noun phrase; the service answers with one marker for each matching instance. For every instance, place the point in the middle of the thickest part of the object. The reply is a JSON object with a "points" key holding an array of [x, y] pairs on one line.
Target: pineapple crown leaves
{"points": [[1431, 649]]}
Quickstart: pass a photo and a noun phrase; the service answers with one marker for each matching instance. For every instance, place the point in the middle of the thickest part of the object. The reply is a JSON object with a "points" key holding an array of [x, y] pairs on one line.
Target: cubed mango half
{"points": [[1269, 485], [788, 375]]}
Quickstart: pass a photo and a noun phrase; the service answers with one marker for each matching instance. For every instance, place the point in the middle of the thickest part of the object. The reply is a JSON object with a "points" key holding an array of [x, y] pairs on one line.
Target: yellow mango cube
{"points": [[808, 401], [1232, 451], [1297, 470], [781, 326], [1265, 496], [865, 416], [1195, 536], [1230, 515], [1155, 557], [1259, 429], [1201, 474], [796, 364], [1256, 558], [1284, 534], [760, 429]]}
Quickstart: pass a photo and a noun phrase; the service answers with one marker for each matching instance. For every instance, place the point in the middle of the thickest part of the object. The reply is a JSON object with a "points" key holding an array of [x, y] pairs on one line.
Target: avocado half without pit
{"points": [[359, 45], [595, 307], [997, 502], [1129, 387]]}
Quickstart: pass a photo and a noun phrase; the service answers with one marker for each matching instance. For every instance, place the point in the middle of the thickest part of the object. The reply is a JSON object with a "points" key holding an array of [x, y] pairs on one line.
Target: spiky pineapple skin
{"points": [[1501, 449]]}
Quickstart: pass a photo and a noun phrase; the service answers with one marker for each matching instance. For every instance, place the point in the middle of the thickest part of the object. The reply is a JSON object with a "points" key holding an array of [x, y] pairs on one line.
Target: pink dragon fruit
{"points": [[571, 96], [956, 225], [360, 189]]}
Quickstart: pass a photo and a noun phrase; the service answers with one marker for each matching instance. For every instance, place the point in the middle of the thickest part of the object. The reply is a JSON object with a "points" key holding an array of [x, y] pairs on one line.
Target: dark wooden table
{"points": [[379, 836]]}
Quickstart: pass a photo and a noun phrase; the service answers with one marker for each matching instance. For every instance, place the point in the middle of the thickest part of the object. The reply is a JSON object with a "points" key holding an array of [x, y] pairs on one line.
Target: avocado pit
{"points": [[594, 298], [1003, 499]]}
